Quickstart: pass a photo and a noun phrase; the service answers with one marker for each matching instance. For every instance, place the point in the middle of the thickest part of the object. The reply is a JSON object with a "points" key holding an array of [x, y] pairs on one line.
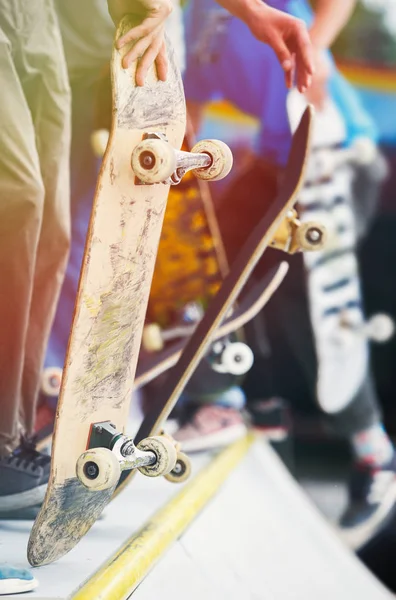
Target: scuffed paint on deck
{"points": [[112, 298]]}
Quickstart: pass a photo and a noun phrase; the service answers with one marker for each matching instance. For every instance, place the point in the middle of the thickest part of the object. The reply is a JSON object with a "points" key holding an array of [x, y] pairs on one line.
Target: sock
{"points": [[373, 446]]}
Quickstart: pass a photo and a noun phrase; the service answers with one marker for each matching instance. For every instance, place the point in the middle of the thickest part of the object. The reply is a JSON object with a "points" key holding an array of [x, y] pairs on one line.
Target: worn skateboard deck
{"points": [[113, 292]]}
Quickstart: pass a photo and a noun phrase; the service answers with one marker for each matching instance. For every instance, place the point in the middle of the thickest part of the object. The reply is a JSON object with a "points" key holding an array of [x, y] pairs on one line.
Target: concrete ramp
{"points": [[261, 539]]}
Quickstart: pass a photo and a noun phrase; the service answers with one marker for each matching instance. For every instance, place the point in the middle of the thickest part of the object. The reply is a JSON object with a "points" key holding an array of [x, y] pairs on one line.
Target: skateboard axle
{"points": [[154, 160], [188, 161], [131, 457]]}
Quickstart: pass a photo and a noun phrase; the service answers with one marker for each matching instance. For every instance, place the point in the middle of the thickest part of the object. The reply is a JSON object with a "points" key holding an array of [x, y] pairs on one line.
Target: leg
{"points": [[21, 208], [42, 70]]}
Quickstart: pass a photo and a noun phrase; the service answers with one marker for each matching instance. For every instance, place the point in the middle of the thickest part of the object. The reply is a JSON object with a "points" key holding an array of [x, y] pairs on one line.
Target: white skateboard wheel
{"points": [[380, 328], [98, 469], [364, 151], [153, 161], [311, 236], [51, 381], [99, 140], [221, 156], [165, 452], [237, 358], [182, 469], [152, 340]]}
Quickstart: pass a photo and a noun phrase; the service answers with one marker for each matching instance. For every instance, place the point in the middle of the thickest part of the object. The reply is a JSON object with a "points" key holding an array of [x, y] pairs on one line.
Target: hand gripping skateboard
{"points": [[142, 159]]}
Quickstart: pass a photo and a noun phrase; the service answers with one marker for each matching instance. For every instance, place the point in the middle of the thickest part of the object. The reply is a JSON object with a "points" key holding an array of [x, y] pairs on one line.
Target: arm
{"points": [[330, 18], [287, 36], [148, 36]]}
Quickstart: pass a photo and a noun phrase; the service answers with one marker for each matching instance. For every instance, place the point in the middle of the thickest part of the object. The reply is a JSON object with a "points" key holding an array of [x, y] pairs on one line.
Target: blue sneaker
{"points": [[16, 581], [372, 499]]}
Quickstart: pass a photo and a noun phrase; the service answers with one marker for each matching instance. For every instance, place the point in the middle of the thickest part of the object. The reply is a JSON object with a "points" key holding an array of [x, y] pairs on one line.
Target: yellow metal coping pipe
{"points": [[123, 572]]}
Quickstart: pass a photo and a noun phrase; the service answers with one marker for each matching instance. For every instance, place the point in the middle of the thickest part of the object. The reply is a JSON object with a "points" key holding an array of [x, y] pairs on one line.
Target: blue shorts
{"points": [[225, 61]]}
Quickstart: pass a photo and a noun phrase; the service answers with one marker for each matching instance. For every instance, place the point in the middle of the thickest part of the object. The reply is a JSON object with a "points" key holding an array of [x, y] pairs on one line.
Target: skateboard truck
{"points": [[293, 236], [154, 160], [110, 452]]}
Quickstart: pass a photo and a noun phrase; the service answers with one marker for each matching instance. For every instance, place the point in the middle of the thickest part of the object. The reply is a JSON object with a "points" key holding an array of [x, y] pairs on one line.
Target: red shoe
{"points": [[211, 427]]}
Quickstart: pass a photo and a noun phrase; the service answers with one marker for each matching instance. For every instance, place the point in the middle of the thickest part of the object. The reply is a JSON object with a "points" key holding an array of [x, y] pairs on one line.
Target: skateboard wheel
{"points": [[99, 139], [153, 161], [365, 151], [380, 328], [51, 381], [237, 358], [182, 469], [152, 338], [221, 157], [311, 236], [98, 469], [165, 451]]}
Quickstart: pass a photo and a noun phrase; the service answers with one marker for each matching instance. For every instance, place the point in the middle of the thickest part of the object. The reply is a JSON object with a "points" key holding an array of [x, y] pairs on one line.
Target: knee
{"points": [[27, 199]]}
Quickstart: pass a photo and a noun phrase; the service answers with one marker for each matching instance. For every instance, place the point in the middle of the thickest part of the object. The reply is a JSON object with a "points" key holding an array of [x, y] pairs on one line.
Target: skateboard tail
{"points": [[70, 514]]}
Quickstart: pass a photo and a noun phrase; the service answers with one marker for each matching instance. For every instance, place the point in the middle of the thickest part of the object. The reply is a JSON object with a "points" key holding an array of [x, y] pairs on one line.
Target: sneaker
{"points": [[16, 581], [24, 476], [272, 418], [372, 492], [210, 427]]}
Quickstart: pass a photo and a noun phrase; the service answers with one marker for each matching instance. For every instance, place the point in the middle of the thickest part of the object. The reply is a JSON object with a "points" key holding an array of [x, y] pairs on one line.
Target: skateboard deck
{"points": [[141, 161], [333, 283], [113, 292]]}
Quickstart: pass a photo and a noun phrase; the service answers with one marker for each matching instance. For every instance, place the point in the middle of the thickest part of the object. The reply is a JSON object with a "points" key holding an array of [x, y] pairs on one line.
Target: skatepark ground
{"points": [[256, 536]]}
